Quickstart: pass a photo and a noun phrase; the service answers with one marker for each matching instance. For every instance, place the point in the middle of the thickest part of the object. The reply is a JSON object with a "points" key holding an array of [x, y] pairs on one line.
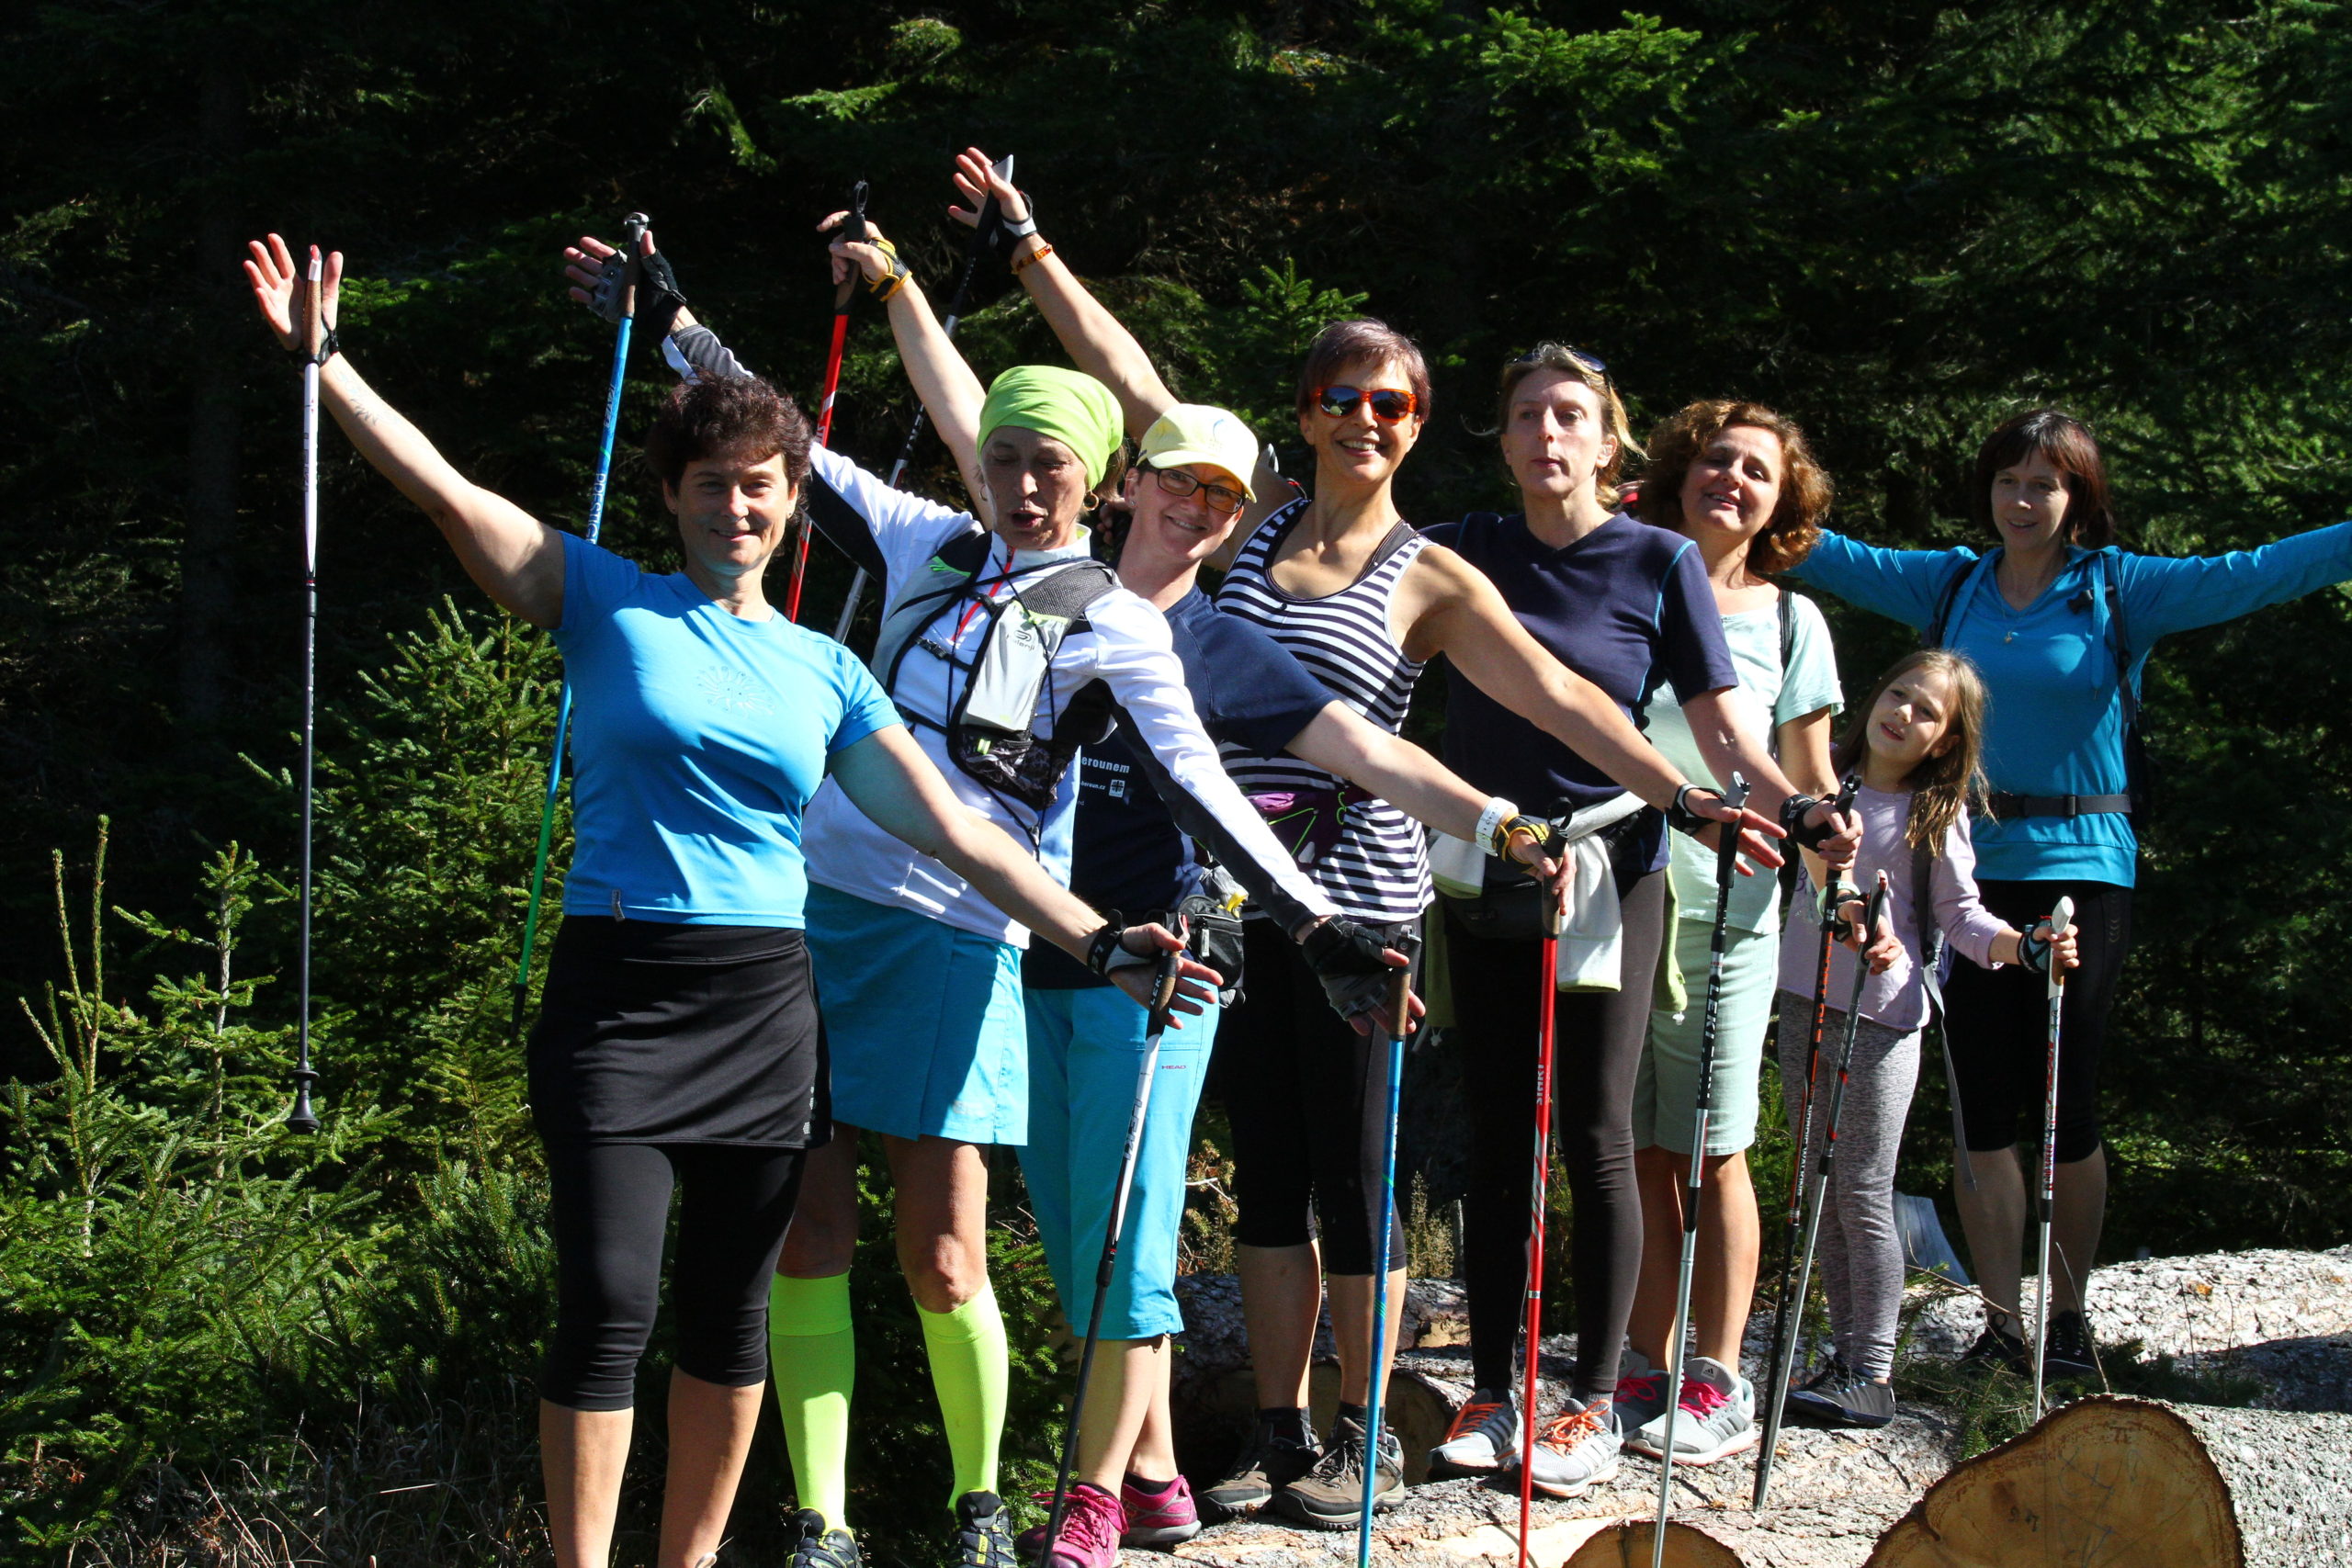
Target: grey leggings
{"points": [[1859, 1253]]}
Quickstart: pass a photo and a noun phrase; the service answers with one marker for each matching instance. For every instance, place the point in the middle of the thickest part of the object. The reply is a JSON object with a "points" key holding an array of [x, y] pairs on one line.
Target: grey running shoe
{"points": [[1330, 1496], [1802, 1400], [1846, 1399], [1270, 1461], [1717, 1418], [1576, 1450], [984, 1532], [1641, 1392], [1996, 1351], [2067, 1353], [818, 1547], [1482, 1440]]}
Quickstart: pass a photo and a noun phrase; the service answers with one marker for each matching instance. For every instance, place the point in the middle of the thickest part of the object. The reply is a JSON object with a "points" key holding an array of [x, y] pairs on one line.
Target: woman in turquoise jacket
{"points": [[2061, 622]]}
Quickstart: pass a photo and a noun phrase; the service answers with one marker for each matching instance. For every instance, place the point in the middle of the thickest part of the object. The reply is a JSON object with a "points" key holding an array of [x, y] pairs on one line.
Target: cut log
{"points": [[2114, 1481], [1629, 1542]]}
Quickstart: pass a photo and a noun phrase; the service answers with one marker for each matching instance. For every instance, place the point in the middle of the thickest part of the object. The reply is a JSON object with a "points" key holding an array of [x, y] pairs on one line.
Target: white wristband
{"points": [[1498, 811]]}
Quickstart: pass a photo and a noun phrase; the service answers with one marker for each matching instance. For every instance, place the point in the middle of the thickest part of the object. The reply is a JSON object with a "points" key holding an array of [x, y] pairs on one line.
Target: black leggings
{"points": [[1596, 1049], [610, 1204], [2000, 1022], [1309, 1100]]}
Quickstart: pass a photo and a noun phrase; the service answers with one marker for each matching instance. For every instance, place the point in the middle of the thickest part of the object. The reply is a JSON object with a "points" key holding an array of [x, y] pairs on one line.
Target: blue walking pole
{"points": [[632, 229], [1400, 990]]}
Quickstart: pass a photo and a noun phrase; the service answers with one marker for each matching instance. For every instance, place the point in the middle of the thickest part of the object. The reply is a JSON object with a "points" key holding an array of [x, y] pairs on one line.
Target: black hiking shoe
{"points": [[1269, 1461], [2067, 1352], [1848, 1400], [984, 1532], [1802, 1399], [818, 1547], [1996, 1352], [1330, 1496]]}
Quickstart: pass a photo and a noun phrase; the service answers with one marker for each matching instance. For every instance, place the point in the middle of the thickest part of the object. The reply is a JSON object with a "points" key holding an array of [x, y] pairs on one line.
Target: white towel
{"points": [[1593, 926]]}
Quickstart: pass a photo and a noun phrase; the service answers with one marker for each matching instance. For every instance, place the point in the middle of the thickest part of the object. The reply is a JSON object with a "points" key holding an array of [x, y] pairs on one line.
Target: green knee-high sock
{"points": [[812, 1356], [968, 1369]]}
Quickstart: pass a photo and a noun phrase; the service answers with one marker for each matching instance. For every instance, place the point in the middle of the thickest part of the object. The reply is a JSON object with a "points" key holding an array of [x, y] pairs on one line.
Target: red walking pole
{"points": [[853, 227], [1546, 999]]}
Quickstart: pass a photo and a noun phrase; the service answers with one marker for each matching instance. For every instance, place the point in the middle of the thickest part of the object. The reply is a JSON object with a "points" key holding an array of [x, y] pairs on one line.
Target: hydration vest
{"points": [[991, 710]]}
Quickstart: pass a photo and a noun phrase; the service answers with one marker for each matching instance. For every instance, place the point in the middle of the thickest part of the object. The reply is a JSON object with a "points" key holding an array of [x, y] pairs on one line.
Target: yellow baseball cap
{"points": [[1195, 433]]}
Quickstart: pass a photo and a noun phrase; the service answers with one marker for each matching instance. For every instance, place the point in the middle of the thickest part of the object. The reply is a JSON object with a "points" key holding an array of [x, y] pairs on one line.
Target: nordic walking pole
{"points": [[1817, 1193], [1163, 992], [1727, 867], [300, 1118], [1400, 998], [956, 305], [2062, 920], [853, 228], [633, 229], [1547, 1000], [1789, 1326]]}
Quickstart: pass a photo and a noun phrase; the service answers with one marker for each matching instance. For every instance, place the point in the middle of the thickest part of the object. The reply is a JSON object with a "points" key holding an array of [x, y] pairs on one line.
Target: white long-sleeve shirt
{"points": [[1125, 643]]}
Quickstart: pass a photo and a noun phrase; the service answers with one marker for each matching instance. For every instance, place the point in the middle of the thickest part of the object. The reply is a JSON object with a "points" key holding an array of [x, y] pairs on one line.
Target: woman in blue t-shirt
{"points": [[677, 1045], [2055, 614]]}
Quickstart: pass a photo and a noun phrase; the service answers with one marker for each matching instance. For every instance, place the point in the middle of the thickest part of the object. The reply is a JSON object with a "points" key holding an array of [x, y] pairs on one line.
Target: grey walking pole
{"points": [[2062, 920], [301, 1118], [1817, 1193], [960, 301], [1727, 867], [1163, 992]]}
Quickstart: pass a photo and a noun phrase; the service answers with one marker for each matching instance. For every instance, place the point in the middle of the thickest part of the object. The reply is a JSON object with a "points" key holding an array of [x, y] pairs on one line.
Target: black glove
{"points": [[1682, 820], [1106, 954], [1346, 959], [1001, 234], [2033, 951], [1793, 813], [658, 298]]}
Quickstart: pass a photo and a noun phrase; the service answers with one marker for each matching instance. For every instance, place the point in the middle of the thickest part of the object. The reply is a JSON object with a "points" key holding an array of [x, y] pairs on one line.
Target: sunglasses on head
{"points": [[1389, 404], [1583, 356], [1223, 499]]}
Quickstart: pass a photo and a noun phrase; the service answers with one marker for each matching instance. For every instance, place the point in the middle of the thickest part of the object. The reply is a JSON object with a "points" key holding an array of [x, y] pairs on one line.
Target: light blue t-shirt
{"points": [[697, 739], [1808, 686], [2056, 725]]}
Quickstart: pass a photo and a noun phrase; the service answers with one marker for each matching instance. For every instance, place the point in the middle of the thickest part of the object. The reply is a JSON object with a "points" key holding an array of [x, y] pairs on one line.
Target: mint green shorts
{"points": [[1666, 1086]]}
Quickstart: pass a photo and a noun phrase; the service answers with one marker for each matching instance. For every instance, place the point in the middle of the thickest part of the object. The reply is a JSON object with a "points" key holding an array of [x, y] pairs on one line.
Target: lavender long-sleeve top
{"points": [[1895, 999]]}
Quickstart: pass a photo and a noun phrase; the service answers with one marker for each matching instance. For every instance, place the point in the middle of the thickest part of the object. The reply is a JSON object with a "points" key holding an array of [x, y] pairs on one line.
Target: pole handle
{"points": [[853, 228], [2062, 917], [314, 327], [633, 228], [1400, 998]]}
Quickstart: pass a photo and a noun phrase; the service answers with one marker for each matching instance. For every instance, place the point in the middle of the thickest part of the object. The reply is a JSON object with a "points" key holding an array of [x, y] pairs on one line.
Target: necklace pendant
{"points": [[2008, 636]]}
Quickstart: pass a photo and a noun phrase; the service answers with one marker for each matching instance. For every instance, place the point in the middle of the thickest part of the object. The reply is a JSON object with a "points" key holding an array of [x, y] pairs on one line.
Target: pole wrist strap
{"points": [[329, 346]]}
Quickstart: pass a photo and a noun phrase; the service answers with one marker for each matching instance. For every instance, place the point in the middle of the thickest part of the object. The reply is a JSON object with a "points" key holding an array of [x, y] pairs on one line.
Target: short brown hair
{"points": [[1345, 342], [738, 415], [1805, 488], [1581, 366], [2072, 450]]}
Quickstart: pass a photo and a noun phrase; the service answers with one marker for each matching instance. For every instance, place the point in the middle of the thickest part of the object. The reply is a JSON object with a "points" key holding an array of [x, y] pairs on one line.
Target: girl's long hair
{"points": [[1940, 785]]}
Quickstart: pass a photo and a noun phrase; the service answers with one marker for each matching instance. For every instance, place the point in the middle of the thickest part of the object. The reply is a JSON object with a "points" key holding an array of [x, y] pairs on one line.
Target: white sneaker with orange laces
{"points": [[1576, 1450], [1482, 1440]]}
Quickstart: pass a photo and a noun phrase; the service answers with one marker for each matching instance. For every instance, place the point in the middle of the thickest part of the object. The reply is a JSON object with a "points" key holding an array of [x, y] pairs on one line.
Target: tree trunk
{"points": [[2117, 1481]]}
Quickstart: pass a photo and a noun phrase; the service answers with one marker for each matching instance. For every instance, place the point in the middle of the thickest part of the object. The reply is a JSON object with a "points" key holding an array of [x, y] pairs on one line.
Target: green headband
{"points": [[1076, 409]]}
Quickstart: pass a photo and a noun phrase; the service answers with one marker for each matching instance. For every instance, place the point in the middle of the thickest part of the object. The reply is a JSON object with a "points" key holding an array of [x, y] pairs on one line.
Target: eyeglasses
{"points": [[1223, 499], [1389, 404]]}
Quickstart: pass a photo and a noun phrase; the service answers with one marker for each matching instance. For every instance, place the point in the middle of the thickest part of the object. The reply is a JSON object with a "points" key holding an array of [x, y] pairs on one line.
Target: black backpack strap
{"points": [[1788, 630], [1939, 625]]}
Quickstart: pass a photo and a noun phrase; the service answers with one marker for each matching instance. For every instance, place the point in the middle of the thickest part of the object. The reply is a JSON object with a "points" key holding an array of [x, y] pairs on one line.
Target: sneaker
{"points": [[1845, 1399], [984, 1532], [1641, 1392], [1576, 1450], [818, 1547], [1482, 1440], [1802, 1399], [1717, 1417], [1092, 1521], [1270, 1461], [1330, 1496], [1996, 1351], [2066, 1352], [1159, 1518]]}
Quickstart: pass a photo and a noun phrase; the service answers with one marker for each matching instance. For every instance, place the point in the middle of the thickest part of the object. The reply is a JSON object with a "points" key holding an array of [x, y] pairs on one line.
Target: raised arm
{"points": [[887, 776], [2164, 593], [1090, 335], [513, 557], [951, 394]]}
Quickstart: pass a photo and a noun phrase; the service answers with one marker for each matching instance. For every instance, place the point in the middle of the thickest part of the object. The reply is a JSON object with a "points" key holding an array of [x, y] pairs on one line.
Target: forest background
{"points": [[1897, 221]]}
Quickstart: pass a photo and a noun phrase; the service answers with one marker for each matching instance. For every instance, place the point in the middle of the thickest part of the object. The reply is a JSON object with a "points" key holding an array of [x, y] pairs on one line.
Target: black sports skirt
{"points": [[654, 1033]]}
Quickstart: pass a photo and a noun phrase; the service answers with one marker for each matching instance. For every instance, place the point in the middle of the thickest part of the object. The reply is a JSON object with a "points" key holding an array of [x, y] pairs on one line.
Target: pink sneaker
{"points": [[1159, 1518], [1091, 1522]]}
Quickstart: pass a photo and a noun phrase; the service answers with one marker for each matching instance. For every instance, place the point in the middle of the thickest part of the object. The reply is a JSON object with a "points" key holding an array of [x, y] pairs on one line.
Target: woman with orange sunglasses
{"points": [[1365, 601]]}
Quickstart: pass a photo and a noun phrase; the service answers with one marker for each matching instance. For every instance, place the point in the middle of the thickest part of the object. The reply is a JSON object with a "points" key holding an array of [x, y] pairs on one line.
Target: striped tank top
{"points": [[1376, 864]]}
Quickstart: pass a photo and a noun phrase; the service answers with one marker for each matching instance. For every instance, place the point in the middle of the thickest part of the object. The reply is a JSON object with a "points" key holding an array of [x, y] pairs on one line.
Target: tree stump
{"points": [[2114, 1481], [1628, 1544]]}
